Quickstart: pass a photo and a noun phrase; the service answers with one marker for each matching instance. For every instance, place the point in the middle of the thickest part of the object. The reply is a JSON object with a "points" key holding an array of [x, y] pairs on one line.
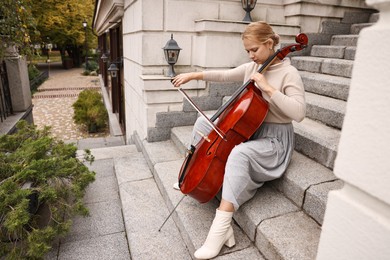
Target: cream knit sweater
{"points": [[287, 103]]}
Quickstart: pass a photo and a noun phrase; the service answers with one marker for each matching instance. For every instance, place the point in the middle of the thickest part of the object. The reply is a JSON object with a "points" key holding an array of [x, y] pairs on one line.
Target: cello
{"points": [[202, 172]]}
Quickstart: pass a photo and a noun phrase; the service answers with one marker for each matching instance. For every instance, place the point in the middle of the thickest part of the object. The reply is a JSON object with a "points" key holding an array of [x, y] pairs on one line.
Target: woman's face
{"points": [[258, 51]]}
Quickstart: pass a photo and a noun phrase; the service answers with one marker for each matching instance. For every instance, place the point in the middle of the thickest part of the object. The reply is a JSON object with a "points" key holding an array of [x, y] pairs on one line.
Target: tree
{"points": [[61, 23], [16, 25], [23, 22]]}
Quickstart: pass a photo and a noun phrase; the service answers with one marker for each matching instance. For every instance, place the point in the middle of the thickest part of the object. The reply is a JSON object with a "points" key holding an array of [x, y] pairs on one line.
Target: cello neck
{"points": [[301, 40], [238, 92]]}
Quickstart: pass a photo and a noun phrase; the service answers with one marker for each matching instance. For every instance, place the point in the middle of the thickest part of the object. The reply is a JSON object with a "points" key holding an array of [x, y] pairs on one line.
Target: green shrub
{"points": [[57, 182], [89, 111], [92, 66], [33, 72]]}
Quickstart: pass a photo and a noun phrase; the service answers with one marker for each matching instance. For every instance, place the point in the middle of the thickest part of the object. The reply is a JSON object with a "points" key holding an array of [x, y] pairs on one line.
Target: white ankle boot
{"points": [[221, 232]]}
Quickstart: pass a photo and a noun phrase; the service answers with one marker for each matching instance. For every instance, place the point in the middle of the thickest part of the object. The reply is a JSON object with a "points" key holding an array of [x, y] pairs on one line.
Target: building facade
{"points": [[132, 34]]}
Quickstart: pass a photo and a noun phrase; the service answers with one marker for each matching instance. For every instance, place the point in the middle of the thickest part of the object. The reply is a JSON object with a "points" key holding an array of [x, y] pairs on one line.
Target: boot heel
{"points": [[231, 241]]}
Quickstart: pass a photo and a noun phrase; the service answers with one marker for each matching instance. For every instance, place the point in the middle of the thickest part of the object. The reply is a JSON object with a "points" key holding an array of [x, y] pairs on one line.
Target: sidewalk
{"points": [[54, 98], [125, 204]]}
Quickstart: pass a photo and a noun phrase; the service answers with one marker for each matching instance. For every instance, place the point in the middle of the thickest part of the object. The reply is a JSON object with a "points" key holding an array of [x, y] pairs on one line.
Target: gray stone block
{"points": [[291, 236], [104, 188], [332, 27], [160, 152], [203, 103], [328, 51], [131, 168], [337, 67], [357, 17], [350, 53], [104, 218], [221, 89], [344, 40], [301, 174], [19, 86], [89, 143], [356, 28], [111, 152], [327, 110], [144, 211], [316, 198], [311, 64], [192, 218], [175, 118], [181, 137], [158, 134], [317, 141], [115, 141], [326, 85], [111, 246], [374, 17], [102, 168], [267, 203]]}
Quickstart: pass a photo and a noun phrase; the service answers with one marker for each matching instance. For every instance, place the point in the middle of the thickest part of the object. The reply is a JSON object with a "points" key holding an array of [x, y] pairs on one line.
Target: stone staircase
{"points": [[283, 220]]}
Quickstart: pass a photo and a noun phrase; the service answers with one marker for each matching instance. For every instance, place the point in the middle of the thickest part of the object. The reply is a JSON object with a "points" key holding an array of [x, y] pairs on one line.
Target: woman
{"points": [[267, 154]]}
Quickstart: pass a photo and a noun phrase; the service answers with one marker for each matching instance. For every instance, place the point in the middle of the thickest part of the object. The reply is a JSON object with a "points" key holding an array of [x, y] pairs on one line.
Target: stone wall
{"points": [[357, 218], [208, 33]]}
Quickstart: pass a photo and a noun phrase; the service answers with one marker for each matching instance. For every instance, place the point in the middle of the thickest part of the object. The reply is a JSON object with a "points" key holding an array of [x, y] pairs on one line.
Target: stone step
{"points": [[313, 139], [374, 17], [194, 219], [344, 40], [336, 67], [327, 110], [356, 28], [302, 174], [144, 211], [317, 141], [336, 52], [326, 85]]}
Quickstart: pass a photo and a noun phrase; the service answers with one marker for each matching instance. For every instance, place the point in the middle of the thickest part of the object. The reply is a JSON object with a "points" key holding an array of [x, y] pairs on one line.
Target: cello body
{"points": [[201, 175], [205, 170]]}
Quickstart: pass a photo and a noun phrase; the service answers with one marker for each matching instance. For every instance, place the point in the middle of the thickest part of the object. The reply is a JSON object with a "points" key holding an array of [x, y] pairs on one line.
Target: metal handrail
{"points": [[5, 94]]}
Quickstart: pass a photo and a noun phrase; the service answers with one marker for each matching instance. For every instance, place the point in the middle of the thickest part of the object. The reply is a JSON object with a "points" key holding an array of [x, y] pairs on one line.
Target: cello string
{"points": [[216, 129]]}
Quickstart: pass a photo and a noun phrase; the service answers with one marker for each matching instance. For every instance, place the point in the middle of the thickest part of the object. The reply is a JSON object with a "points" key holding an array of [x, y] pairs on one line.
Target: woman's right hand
{"points": [[181, 79]]}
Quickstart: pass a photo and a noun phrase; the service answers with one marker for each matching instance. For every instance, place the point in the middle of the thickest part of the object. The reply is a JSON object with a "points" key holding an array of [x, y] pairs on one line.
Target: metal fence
{"points": [[37, 81], [5, 96]]}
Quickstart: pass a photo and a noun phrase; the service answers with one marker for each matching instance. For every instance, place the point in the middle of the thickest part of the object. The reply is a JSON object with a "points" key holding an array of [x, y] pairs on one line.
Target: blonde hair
{"points": [[260, 31]]}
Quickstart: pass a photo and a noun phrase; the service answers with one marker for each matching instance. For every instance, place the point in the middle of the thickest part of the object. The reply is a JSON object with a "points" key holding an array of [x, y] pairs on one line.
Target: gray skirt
{"points": [[264, 157]]}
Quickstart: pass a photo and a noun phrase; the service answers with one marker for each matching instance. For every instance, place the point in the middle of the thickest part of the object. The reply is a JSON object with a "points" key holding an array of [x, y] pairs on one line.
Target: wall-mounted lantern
{"points": [[113, 69], [171, 51], [248, 6], [104, 58]]}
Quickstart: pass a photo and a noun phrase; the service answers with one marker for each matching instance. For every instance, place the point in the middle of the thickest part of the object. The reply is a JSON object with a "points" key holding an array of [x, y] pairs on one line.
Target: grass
{"points": [[54, 56]]}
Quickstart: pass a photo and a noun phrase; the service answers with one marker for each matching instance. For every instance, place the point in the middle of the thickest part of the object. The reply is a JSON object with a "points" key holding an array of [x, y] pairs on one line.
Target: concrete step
{"points": [[356, 28], [255, 219], [317, 141], [336, 67], [344, 40], [374, 17], [144, 210], [192, 218], [336, 52], [327, 110], [326, 85], [302, 174]]}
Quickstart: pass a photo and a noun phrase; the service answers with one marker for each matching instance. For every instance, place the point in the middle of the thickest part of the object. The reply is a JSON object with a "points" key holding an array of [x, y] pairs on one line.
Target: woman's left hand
{"points": [[262, 83]]}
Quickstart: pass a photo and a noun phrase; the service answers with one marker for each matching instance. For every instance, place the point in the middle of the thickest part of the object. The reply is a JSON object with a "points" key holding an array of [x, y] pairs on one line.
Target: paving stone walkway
{"points": [[54, 98]]}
